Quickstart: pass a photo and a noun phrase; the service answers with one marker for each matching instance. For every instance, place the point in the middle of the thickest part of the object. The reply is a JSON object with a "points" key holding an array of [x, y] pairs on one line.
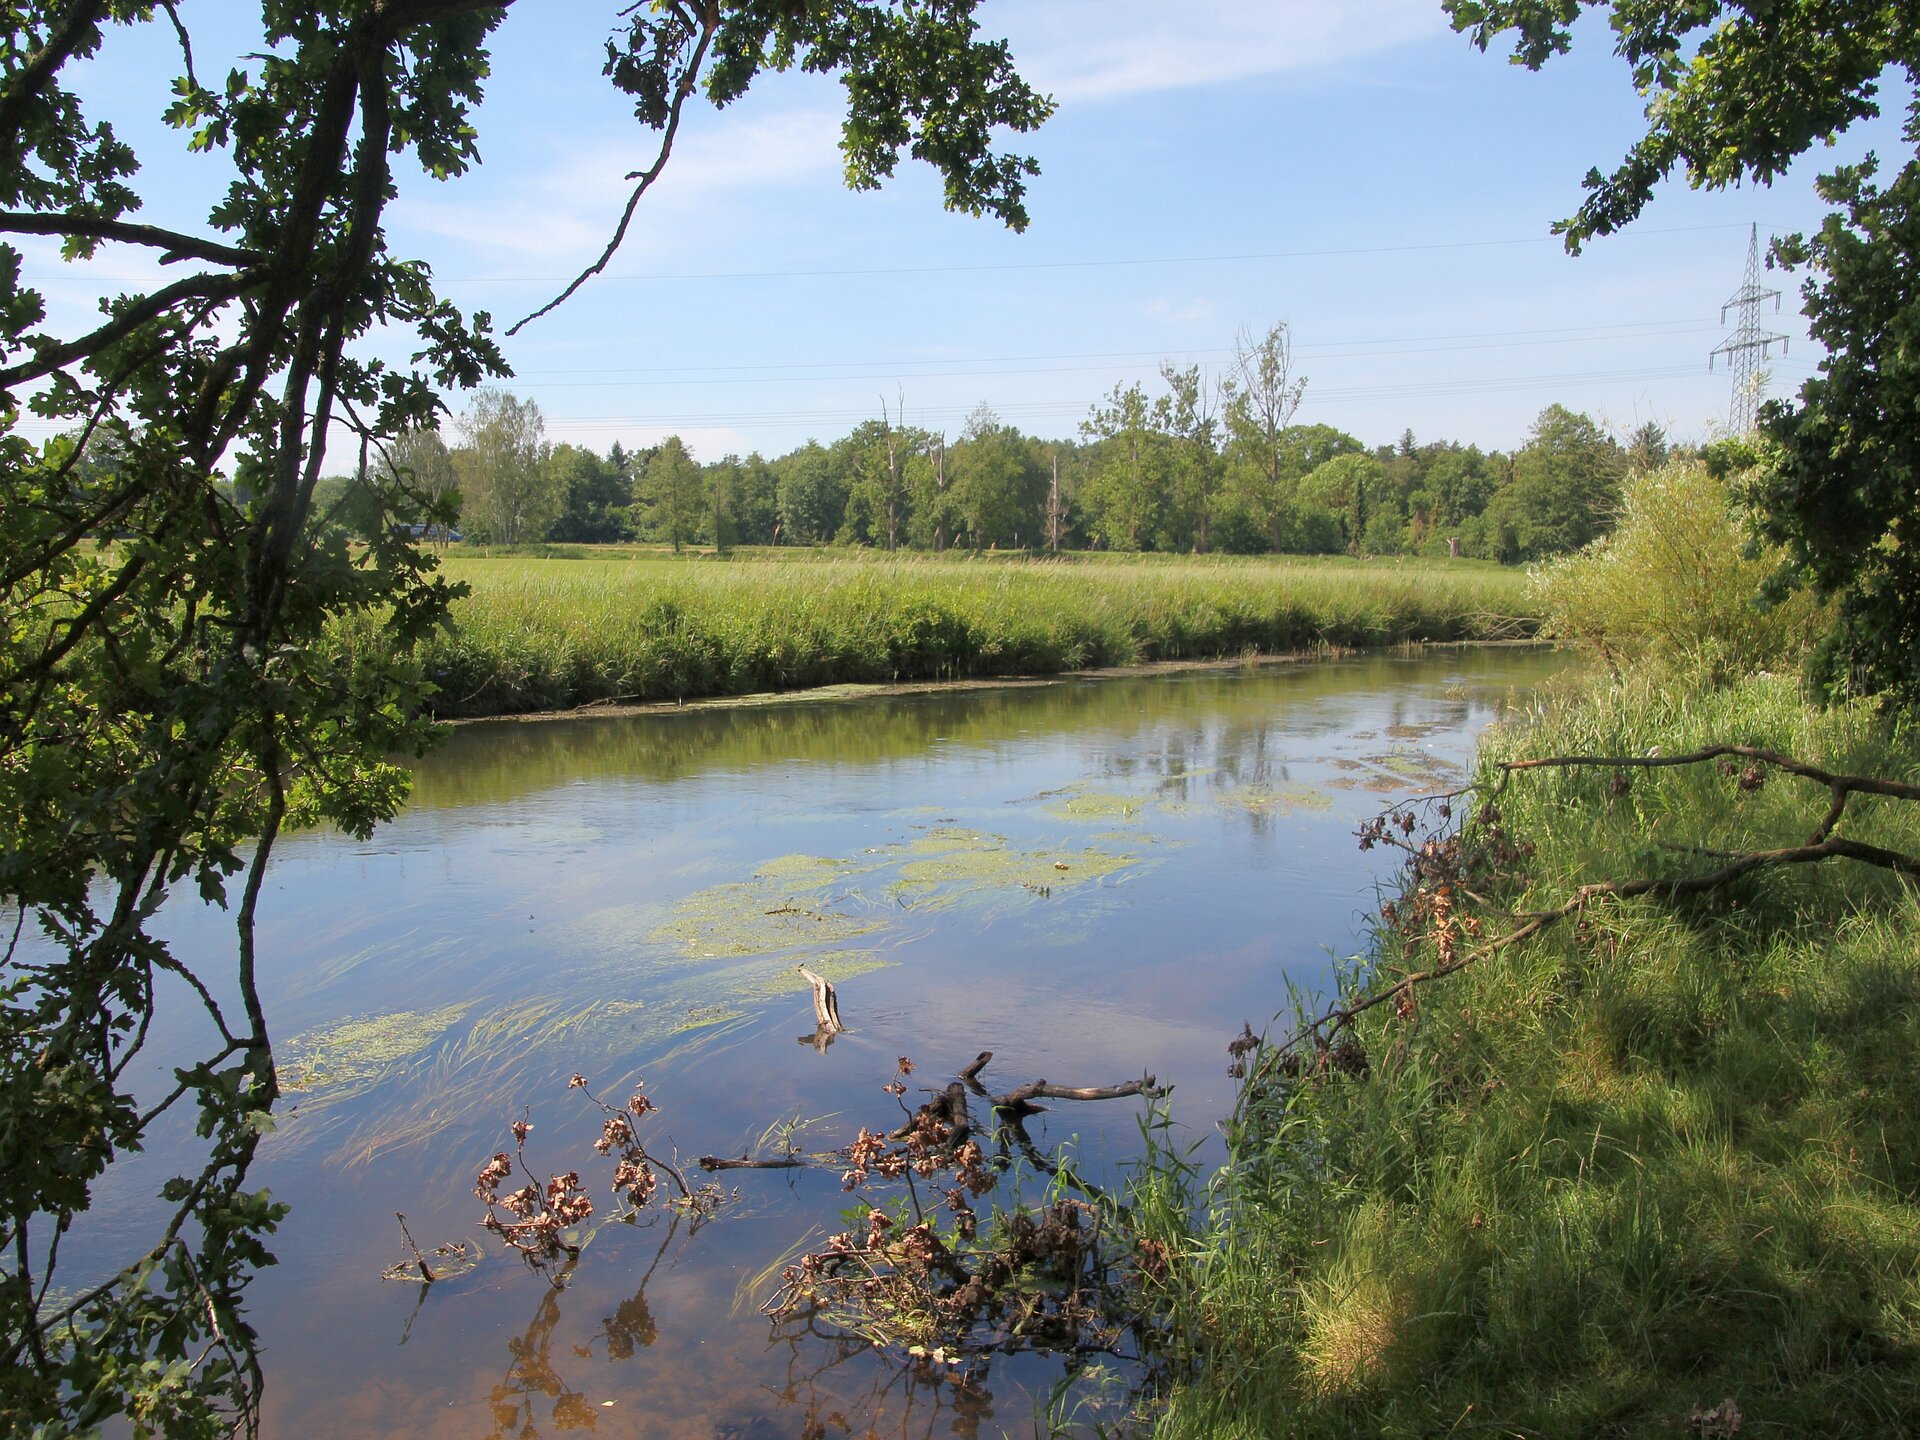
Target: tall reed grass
{"points": [[1599, 1184], [541, 634]]}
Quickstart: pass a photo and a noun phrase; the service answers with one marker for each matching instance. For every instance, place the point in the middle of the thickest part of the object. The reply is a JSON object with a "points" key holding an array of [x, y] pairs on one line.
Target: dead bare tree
{"points": [[1265, 395]]}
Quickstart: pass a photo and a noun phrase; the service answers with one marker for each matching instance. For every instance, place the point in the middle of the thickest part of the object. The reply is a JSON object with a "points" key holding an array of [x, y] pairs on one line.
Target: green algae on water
{"points": [[703, 1017], [953, 866], [351, 1055], [793, 902], [1276, 799], [1077, 803], [839, 967], [1397, 770]]}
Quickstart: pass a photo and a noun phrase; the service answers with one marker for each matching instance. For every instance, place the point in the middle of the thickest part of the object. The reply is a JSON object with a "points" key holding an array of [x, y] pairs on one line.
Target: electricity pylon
{"points": [[1749, 345]]}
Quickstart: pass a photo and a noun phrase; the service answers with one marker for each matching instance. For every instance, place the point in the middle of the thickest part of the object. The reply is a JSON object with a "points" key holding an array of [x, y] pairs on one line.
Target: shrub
{"points": [[1677, 583]]}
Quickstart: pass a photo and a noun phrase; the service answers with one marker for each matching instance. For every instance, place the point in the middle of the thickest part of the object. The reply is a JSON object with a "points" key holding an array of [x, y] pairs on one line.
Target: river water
{"points": [[1092, 878]]}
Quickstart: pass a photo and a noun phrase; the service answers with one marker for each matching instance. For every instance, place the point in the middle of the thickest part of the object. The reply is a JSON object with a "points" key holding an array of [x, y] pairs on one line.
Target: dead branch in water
{"points": [[747, 1162], [826, 1003], [945, 1113]]}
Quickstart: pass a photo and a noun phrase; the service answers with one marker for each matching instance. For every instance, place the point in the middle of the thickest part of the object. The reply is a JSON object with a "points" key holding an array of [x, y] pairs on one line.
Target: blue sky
{"points": [[1350, 167]]}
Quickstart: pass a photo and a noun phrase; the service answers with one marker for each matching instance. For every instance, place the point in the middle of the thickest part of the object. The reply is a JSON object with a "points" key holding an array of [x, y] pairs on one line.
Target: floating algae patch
{"points": [[1397, 770], [953, 866], [760, 982], [349, 1056], [769, 982], [513, 1053], [1078, 803], [702, 1017], [1276, 799], [805, 871], [791, 902]]}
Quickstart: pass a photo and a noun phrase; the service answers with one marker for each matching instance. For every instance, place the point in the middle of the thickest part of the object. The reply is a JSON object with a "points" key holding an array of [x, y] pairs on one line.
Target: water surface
{"points": [[1094, 879]]}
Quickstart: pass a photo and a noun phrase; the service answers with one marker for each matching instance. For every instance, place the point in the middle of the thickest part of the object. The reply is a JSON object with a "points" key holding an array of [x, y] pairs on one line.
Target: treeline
{"points": [[1203, 464]]}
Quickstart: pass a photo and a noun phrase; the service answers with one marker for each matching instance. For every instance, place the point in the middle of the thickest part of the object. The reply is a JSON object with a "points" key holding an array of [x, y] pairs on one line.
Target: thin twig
{"points": [[684, 87]]}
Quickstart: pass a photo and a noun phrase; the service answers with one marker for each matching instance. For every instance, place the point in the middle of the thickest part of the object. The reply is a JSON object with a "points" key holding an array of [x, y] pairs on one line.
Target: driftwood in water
{"points": [[949, 1107], [784, 1162], [946, 1107], [826, 1004], [1018, 1101]]}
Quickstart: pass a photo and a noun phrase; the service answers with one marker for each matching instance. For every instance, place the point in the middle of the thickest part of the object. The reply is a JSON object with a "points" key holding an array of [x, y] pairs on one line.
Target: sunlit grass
{"points": [[1622, 1173], [543, 633]]}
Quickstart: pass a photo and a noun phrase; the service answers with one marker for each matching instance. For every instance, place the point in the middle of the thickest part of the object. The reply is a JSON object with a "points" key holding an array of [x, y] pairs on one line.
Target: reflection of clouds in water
{"points": [[1148, 965]]}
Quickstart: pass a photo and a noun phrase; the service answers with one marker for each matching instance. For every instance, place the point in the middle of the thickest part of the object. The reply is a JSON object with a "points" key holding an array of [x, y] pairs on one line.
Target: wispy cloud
{"points": [[1179, 312], [562, 215], [786, 148], [1101, 49]]}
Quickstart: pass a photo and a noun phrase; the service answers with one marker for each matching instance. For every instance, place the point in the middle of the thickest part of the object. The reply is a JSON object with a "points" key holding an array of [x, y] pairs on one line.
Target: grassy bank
{"points": [[547, 633], [1663, 1156]]}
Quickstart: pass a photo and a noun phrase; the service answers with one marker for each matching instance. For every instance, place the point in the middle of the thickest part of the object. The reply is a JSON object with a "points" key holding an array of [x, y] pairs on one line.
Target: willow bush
{"points": [[1678, 584]]}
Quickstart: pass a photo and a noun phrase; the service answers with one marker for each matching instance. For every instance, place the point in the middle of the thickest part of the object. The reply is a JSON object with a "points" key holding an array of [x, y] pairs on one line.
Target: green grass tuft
{"points": [[1617, 1174]]}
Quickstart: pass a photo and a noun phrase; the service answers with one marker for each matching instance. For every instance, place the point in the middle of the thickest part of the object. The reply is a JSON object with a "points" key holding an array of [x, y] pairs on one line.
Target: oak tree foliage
{"points": [[1736, 90], [171, 694]]}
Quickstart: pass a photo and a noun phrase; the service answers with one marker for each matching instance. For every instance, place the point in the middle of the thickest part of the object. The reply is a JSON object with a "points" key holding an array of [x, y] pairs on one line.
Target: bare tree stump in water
{"points": [[826, 1004]]}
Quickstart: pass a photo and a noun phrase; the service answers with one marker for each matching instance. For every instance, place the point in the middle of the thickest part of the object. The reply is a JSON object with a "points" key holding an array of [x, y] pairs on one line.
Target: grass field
{"points": [[1656, 1160], [554, 631]]}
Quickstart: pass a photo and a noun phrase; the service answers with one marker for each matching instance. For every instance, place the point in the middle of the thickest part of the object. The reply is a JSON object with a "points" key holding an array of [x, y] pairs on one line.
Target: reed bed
{"points": [[541, 633]]}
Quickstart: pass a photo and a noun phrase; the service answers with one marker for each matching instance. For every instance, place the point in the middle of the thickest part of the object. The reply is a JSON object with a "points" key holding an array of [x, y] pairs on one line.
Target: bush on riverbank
{"points": [[1663, 1156], [539, 635], [1676, 585]]}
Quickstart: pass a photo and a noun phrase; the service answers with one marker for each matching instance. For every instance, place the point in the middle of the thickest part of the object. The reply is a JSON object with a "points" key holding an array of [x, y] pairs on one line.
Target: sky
{"points": [[1350, 168]]}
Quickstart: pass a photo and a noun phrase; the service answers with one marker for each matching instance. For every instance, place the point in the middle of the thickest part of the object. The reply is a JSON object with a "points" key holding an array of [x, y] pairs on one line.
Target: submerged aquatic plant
{"points": [[919, 1273], [535, 1219]]}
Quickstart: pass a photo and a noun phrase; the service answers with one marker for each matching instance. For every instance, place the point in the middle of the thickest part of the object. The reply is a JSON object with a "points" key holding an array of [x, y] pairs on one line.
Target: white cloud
{"points": [[1179, 312], [565, 212], [1099, 49], [718, 153]]}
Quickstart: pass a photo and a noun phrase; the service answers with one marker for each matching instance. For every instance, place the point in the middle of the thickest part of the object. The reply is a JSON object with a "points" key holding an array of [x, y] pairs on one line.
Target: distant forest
{"points": [[1201, 464]]}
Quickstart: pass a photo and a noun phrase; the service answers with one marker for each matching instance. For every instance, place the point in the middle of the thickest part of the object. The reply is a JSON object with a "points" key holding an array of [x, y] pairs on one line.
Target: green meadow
{"points": [[580, 626]]}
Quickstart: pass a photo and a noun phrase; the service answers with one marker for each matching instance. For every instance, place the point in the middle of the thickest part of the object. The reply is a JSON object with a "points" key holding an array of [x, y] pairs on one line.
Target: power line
{"points": [[80, 270], [1749, 345], [887, 370], [682, 276]]}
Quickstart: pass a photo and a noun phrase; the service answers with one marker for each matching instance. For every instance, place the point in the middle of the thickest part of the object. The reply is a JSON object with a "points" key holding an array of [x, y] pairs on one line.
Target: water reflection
{"points": [[595, 896], [915, 1398], [1189, 714], [533, 1392]]}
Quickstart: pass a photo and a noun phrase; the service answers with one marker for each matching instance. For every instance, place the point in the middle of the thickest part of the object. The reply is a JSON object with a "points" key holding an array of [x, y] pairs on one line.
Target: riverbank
{"points": [[540, 634], [1651, 1171], [833, 694]]}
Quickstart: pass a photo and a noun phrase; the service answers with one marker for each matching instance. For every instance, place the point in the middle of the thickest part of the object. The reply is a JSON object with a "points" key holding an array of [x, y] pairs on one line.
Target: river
{"points": [[1092, 878]]}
